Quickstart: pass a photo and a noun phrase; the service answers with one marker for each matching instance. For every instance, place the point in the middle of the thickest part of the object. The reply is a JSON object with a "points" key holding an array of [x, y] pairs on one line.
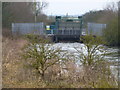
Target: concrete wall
{"points": [[96, 28], [28, 28]]}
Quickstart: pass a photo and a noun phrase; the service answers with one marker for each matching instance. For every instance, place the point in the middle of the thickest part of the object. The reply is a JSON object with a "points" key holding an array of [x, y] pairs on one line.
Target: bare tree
{"points": [[40, 55], [112, 7], [38, 7]]}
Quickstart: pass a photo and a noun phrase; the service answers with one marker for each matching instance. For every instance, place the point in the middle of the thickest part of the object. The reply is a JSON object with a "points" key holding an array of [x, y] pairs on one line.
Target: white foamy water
{"points": [[70, 48]]}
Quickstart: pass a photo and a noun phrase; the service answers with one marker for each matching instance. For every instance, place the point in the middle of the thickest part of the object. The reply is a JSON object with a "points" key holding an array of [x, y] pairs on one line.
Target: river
{"points": [[112, 57]]}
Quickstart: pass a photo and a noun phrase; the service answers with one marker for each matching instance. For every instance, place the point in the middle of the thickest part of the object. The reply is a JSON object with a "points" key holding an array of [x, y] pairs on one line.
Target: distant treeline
{"points": [[22, 12], [107, 16]]}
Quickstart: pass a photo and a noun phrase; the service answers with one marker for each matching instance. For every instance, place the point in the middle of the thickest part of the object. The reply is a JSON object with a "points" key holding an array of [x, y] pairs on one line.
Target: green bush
{"points": [[111, 33]]}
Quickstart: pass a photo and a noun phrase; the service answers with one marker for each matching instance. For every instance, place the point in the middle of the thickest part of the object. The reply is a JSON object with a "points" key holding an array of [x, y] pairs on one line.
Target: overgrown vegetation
{"points": [[42, 66]]}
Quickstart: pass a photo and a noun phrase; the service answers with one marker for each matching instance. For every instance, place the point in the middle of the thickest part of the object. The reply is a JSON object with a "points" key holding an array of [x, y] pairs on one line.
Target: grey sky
{"points": [[74, 7]]}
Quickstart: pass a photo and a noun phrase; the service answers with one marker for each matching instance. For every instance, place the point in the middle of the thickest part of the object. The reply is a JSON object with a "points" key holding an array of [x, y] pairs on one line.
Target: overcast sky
{"points": [[74, 7]]}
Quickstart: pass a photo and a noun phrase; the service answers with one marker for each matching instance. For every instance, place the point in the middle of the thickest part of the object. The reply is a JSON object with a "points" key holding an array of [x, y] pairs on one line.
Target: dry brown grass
{"points": [[17, 75], [11, 61]]}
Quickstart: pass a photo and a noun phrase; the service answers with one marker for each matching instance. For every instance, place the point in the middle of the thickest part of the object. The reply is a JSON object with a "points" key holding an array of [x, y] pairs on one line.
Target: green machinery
{"points": [[66, 28]]}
